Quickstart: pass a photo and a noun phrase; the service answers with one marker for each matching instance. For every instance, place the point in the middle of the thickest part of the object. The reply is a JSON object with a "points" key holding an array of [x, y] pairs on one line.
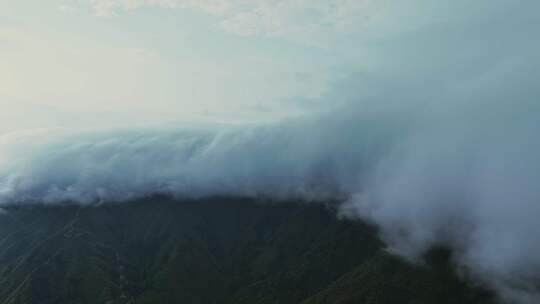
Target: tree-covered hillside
{"points": [[209, 251]]}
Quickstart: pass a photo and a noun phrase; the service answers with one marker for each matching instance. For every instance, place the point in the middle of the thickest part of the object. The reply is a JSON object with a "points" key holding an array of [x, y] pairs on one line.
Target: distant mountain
{"points": [[210, 251]]}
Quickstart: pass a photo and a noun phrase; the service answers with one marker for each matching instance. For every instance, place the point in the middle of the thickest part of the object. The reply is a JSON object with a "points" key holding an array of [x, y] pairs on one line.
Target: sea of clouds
{"points": [[466, 177]]}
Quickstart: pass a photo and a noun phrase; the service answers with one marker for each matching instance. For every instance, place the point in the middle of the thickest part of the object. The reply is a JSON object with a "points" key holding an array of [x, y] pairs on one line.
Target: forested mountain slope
{"points": [[209, 251]]}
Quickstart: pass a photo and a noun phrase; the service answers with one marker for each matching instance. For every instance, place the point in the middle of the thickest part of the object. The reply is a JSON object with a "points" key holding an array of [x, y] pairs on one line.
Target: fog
{"points": [[435, 142]]}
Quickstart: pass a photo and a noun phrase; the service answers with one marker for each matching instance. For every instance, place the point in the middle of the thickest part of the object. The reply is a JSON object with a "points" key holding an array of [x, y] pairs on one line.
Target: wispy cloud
{"points": [[283, 18]]}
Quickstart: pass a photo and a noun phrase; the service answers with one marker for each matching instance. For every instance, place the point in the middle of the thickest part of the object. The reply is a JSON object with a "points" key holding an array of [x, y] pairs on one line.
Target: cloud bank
{"points": [[436, 143]]}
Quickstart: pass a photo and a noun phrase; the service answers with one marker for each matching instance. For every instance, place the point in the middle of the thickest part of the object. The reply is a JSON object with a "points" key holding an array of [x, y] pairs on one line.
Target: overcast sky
{"points": [[88, 63], [93, 62]]}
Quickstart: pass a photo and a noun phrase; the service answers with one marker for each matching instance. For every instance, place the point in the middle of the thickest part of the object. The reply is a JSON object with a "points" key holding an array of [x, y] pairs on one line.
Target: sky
{"points": [[81, 63]]}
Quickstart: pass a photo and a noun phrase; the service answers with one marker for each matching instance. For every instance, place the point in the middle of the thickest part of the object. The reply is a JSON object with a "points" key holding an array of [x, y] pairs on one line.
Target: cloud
{"points": [[298, 20]]}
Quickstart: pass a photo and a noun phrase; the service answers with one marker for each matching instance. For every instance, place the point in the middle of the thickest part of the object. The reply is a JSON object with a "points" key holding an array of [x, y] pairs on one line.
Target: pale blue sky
{"points": [[87, 62]]}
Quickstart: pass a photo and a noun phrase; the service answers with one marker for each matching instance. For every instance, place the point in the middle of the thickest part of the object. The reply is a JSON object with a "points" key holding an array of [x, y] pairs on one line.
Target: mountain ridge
{"points": [[217, 250]]}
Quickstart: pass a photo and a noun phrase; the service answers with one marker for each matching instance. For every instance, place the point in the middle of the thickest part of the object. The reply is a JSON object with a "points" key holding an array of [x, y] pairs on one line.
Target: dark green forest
{"points": [[211, 251]]}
